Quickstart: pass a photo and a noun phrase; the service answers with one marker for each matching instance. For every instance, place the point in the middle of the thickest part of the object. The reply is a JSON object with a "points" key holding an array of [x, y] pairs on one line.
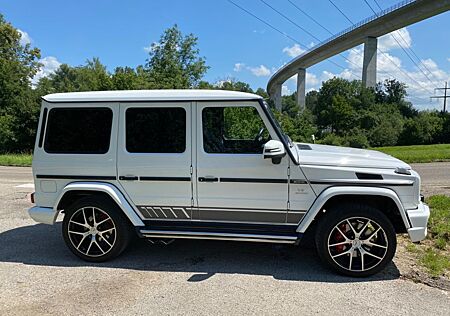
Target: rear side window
{"points": [[156, 130], [78, 131]]}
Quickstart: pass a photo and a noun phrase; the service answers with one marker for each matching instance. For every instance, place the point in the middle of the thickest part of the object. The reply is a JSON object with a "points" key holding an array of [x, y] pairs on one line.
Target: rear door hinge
{"points": [[288, 205]]}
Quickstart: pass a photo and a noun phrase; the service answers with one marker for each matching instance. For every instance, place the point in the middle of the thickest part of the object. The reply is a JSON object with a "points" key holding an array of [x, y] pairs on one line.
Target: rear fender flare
{"points": [[107, 188]]}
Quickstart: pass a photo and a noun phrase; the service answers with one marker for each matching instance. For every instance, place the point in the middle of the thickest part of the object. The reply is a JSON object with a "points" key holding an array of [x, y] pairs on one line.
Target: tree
{"points": [[18, 102], [174, 61], [93, 76], [127, 78], [426, 128]]}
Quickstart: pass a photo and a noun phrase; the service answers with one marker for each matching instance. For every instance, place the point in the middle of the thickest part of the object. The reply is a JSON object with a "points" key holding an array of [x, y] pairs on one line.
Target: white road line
{"points": [[26, 185]]}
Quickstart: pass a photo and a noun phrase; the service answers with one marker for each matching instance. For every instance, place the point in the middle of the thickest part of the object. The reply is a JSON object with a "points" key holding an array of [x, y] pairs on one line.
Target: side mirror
{"points": [[274, 150]]}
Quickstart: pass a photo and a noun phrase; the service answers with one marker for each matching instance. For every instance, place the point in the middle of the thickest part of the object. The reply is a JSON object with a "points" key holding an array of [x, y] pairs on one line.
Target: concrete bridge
{"points": [[367, 31]]}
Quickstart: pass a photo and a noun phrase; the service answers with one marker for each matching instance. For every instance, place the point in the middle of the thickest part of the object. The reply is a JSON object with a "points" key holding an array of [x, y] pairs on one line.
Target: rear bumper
{"points": [[45, 215], [418, 219]]}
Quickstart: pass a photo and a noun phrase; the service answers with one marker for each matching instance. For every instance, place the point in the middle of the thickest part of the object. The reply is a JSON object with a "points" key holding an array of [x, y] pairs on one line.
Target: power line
{"points": [[410, 48], [266, 23], [283, 33], [334, 5], [385, 54], [310, 17], [401, 46], [326, 29], [303, 29]]}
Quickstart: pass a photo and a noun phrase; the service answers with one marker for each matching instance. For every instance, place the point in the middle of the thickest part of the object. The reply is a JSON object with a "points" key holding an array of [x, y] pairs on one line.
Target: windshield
{"points": [[277, 124]]}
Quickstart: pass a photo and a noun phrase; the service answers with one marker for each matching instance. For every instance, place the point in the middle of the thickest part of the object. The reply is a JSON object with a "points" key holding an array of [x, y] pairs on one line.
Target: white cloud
{"points": [[238, 67], [285, 90], [49, 65], [294, 51], [448, 59], [260, 71], [311, 45], [389, 41], [24, 38]]}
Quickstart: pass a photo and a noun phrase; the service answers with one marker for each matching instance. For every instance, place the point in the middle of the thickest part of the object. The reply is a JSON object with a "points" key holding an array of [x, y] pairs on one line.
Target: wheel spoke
{"points": [[362, 259], [106, 230], [103, 237], [99, 223], [93, 216], [343, 253], [364, 228], [84, 216], [373, 234], [352, 228], [76, 233], [84, 225], [90, 245], [371, 254], [81, 241], [98, 245], [351, 261], [340, 243], [371, 244]]}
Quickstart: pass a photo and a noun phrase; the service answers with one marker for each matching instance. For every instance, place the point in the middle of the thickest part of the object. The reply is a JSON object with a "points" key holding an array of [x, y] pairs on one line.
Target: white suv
{"points": [[213, 165]]}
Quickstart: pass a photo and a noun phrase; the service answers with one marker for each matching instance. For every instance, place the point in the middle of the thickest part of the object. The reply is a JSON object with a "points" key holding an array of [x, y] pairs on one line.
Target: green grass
{"points": [[418, 153], [22, 160], [435, 262], [439, 223], [435, 256]]}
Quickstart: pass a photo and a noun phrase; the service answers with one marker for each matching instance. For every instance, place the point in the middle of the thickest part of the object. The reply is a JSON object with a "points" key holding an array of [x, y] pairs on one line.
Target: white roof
{"points": [[149, 95]]}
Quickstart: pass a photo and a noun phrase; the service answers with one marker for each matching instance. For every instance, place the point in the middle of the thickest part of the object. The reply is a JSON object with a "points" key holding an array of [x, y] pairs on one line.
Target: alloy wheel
{"points": [[92, 231], [357, 244]]}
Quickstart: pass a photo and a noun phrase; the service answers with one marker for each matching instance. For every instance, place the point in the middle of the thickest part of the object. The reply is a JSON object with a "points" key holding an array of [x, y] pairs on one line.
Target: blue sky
{"points": [[235, 44]]}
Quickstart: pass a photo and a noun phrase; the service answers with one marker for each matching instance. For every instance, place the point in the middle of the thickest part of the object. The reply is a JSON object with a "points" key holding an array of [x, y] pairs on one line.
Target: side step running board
{"points": [[218, 236]]}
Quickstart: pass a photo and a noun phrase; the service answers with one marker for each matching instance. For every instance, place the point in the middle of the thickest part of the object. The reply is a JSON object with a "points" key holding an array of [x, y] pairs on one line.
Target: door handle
{"points": [[208, 179], [128, 178]]}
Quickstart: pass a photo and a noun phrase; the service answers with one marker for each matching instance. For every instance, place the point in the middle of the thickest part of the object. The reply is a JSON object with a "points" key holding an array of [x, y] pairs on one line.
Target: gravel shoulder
{"points": [[40, 276]]}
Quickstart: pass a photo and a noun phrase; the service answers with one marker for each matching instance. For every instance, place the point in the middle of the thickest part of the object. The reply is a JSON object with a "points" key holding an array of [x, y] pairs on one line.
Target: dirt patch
{"points": [[408, 264]]}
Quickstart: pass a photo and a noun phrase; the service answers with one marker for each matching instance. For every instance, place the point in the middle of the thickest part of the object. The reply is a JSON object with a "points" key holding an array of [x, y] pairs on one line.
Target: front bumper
{"points": [[45, 215], [418, 218]]}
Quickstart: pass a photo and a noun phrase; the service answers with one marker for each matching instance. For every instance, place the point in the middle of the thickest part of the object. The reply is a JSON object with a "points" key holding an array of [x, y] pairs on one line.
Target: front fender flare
{"points": [[107, 188], [349, 190]]}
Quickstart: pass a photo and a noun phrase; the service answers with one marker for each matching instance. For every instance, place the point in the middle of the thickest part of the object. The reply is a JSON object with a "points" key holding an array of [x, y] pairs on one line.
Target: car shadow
{"points": [[43, 245]]}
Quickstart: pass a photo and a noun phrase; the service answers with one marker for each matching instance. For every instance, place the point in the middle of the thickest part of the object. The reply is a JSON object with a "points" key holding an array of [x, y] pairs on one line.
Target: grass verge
{"points": [[22, 160], [418, 153], [434, 253]]}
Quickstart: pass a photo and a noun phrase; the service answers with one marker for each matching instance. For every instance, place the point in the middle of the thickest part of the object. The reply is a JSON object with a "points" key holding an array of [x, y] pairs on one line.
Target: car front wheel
{"points": [[356, 240]]}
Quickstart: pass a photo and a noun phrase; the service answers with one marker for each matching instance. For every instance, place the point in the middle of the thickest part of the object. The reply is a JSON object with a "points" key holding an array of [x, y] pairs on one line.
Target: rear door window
{"points": [[156, 130], [78, 131]]}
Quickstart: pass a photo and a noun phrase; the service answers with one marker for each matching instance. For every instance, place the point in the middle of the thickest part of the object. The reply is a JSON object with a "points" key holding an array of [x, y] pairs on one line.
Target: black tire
{"points": [[111, 237], [348, 253]]}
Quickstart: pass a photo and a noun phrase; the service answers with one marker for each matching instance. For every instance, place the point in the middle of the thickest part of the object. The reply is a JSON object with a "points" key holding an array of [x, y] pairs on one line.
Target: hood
{"points": [[313, 154]]}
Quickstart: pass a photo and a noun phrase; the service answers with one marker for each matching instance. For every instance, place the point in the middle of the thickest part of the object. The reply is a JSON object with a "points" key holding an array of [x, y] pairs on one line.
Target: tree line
{"points": [[341, 112]]}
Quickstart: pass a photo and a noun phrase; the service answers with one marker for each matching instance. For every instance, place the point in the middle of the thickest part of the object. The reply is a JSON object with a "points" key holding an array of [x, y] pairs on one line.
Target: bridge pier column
{"points": [[275, 95], [369, 71], [301, 89]]}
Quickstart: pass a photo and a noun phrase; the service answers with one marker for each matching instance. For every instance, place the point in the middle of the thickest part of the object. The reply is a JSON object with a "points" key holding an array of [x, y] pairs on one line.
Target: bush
{"points": [[356, 139], [425, 128]]}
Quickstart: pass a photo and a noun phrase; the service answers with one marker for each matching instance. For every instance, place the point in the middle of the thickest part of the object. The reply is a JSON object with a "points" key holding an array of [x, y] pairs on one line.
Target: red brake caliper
{"points": [[338, 237]]}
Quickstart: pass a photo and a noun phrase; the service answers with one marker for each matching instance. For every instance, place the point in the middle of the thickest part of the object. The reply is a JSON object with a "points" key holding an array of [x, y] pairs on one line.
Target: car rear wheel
{"points": [[356, 240], [95, 229]]}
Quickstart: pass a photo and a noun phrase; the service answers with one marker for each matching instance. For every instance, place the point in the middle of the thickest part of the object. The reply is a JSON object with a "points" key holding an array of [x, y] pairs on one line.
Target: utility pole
{"points": [[445, 96]]}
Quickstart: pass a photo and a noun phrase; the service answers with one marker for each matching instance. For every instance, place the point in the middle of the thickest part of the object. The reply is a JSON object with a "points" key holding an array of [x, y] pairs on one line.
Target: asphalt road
{"points": [[38, 274]]}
